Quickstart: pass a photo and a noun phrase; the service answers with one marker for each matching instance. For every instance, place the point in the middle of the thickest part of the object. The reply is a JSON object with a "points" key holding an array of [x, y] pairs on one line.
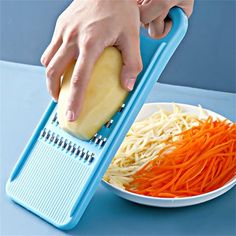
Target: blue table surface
{"points": [[24, 98]]}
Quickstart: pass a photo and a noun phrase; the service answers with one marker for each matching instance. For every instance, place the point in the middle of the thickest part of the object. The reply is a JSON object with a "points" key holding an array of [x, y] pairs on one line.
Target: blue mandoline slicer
{"points": [[57, 174]]}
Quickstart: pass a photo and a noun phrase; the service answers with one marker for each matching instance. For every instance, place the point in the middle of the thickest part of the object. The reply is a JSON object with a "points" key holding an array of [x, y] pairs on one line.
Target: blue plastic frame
{"points": [[155, 56]]}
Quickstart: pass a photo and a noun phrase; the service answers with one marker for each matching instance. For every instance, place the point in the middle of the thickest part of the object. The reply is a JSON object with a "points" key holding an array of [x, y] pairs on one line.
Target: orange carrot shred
{"points": [[201, 160]]}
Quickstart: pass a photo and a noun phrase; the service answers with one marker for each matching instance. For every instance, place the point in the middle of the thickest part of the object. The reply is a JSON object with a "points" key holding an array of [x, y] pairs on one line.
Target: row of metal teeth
{"points": [[122, 107], [108, 124], [55, 119], [67, 145], [98, 140]]}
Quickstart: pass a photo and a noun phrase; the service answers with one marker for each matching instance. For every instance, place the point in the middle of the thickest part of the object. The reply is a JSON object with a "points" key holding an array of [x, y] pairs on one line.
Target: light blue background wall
{"points": [[205, 59]]}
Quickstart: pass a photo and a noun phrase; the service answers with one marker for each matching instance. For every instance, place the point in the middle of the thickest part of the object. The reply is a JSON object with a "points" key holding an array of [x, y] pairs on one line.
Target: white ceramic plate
{"points": [[147, 110]]}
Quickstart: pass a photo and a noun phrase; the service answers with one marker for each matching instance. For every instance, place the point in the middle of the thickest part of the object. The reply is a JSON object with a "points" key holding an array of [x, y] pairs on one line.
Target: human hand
{"points": [[153, 14], [82, 31]]}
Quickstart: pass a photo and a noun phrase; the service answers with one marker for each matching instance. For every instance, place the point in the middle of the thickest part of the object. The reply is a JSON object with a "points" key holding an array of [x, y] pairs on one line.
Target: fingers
{"points": [[50, 52], [153, 15], [52, 47], [80, 78], [132, 62], [56, 68], [160, 27], [152, 9], [187, 6]]}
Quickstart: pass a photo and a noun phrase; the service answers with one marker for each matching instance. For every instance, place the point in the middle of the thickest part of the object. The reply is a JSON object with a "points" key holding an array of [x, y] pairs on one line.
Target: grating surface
{"points": [[45, 184]]}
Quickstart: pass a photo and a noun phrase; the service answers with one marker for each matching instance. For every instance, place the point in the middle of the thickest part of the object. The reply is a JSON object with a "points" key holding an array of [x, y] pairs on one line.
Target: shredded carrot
{"points": [[201, 160]]}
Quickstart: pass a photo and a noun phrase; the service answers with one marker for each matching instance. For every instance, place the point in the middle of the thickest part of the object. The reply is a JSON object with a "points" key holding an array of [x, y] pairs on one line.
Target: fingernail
{"points": [[70, 115], [130, 84]]}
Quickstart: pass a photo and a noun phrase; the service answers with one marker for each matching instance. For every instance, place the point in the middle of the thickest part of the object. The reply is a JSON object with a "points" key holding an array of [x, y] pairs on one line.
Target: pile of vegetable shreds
{"points": [[201, 160]]}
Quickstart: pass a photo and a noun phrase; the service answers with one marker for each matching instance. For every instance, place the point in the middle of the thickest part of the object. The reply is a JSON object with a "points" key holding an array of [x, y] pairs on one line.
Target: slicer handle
{"points": [[179, 24], [149, 46]]}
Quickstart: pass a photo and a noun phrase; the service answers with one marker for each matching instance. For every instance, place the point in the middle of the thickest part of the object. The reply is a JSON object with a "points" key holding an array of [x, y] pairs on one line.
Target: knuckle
{"points": [[166, 4], [51, 89], [60, 24], [140, 66], [160, 4], [144, 17], [79, 82], [50, 72], [70, 35], [137, 67], [88, 42], [76, 81], [60, 20], [135, 35], [190, 11], [50, 92]]}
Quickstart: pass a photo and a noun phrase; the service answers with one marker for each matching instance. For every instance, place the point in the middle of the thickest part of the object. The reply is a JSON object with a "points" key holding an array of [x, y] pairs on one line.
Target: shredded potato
{"points": [[144, 141]]}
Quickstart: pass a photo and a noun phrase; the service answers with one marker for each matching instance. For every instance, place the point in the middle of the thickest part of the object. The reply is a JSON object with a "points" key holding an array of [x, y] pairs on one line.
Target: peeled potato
{"points": [[103, 97]]}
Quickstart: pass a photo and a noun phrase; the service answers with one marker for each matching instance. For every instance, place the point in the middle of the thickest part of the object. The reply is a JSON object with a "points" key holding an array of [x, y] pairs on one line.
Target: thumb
{"points": [[132, 62]]}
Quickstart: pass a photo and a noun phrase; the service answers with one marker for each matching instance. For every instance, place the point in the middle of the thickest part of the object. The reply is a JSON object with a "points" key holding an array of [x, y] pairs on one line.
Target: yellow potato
{"points": [[103, 97]]}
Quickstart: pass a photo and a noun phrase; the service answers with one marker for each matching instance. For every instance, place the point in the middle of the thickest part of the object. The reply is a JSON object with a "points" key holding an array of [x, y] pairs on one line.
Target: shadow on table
{"points": [[110, 215]]}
